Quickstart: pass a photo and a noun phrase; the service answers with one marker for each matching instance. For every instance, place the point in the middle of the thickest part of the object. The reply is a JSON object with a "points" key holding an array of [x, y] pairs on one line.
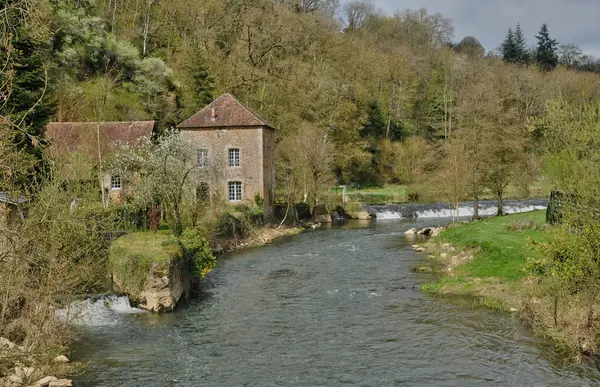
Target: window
{"points": [[235, 191], [115, 182], [234, 157], [202, 156]]}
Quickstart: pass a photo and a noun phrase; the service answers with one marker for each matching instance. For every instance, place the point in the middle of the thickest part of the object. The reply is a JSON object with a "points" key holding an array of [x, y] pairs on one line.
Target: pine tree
{"points": [[509, 48], [203, 82], [546, 56], [375, 127], [521, 51]]}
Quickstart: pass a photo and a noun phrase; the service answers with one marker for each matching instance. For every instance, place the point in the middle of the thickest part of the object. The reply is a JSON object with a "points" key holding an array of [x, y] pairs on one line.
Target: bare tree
{"points": [[357, 13], [570, 55]]}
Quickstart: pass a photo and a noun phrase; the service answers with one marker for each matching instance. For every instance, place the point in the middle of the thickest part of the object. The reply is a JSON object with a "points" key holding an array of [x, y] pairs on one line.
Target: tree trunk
{"points": [[114, 20], [475, 205], [500, 204], [146, 28]]}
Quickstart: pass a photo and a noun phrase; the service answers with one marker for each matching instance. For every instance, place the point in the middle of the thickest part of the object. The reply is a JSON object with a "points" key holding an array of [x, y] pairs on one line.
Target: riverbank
{"points": [[487, 261], [257, 238]]}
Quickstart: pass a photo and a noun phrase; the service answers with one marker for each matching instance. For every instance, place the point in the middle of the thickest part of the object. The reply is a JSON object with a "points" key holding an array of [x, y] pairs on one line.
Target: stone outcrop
{"points": [[431, 231], [166, 283], [321, 214]]}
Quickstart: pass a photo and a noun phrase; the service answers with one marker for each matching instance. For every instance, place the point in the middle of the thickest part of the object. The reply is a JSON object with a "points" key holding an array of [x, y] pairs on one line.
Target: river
{"points": [[336, 306]]}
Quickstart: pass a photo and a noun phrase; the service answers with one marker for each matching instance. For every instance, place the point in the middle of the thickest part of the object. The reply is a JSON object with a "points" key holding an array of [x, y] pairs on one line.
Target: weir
{"points": [[443, 210]]}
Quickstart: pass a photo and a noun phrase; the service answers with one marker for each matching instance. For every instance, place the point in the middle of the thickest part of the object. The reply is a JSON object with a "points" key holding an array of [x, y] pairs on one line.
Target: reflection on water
{"points": [[338, 306]]}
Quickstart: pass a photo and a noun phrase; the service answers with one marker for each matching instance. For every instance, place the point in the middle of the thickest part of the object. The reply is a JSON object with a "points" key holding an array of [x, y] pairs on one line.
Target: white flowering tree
{"points": [[165, 171]]}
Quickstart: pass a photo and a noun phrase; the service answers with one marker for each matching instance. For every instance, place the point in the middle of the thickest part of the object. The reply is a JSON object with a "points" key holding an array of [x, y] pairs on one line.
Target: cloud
{"points": [[569, 21]]}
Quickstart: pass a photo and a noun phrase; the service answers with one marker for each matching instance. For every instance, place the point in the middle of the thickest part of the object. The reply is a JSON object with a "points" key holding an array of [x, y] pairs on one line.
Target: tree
{"points": [[165, 172], [521, 50], [453, 174], [471, 47], [357, 13], [546, 56], [202, 81], [25, 67], [379, 127], [514, 48], [570, 55], [307, 161], [508, 49], [573, 152]]}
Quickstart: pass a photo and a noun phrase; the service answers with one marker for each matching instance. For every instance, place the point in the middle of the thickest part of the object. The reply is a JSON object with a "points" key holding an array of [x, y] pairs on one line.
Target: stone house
{"points": [[98, 140], [238, 142]]}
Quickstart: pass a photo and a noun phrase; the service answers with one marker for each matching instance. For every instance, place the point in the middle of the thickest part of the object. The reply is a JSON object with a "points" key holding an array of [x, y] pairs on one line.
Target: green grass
{"points": [[502, 253], [132, 256], [377, 195], [147, 245]]}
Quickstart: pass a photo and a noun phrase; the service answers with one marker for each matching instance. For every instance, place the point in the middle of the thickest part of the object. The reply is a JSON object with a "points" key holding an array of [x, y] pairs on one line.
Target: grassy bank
{"points": [[487, 260]]}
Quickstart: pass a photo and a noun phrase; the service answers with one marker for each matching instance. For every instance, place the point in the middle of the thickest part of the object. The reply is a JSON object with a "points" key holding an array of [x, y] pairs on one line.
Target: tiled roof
{"points": [[83, 136], [228, 112]]}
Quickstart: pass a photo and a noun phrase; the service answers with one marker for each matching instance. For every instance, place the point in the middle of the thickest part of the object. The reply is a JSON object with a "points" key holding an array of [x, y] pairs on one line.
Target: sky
{"points": [[569, 21]]}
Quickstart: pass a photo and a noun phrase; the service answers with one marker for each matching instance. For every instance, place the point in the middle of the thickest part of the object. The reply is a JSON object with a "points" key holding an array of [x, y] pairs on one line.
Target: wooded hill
{"points": [[358, 96]]}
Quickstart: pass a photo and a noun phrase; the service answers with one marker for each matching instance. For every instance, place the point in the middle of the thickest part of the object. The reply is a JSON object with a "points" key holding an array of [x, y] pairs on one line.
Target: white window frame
{"points": [[202, 157], [116, 183], [234, 158], [234, 191]]}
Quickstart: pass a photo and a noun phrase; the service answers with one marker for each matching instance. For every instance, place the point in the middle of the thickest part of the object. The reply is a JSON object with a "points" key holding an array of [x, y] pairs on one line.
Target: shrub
{"points": [[196, 252]]}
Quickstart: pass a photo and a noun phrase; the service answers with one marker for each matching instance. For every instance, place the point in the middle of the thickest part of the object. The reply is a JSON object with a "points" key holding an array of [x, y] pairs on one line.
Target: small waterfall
{"points": [[439, 210], [97, 311]]}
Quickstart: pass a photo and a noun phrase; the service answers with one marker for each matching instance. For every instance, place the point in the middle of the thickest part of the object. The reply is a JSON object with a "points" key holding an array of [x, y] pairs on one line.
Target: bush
{"points": [[196, 252]]}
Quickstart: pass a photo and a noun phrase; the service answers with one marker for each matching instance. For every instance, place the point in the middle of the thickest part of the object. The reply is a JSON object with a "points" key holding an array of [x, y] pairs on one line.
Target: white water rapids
{"points": [[97, 311], [486, 208]]}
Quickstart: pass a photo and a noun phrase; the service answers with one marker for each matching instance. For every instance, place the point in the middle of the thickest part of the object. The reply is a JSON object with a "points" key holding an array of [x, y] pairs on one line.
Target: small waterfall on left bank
{"points": [[97, 311]]}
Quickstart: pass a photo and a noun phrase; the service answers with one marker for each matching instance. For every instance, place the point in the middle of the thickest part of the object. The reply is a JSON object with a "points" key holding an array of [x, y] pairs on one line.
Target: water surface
{"points": [[330, 307]]}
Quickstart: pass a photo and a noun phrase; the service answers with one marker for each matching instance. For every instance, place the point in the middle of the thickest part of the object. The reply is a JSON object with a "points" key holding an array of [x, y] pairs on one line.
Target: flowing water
{"points": [[337, 306]]}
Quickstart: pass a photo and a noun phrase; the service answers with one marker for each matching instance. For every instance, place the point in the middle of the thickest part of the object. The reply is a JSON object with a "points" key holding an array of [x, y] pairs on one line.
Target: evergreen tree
{"points": [[203, 82], [375, 127], [546, 56], [380, 126], [521, 51], [509, 48]]}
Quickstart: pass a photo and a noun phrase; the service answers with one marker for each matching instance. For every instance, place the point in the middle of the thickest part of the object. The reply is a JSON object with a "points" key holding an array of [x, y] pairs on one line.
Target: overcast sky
{"points": [[569, 21]]}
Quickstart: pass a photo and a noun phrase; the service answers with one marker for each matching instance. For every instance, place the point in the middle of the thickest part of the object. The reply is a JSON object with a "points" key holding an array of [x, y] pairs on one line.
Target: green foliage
{"points": [[546, 54], [197, 252], [133, 256]]}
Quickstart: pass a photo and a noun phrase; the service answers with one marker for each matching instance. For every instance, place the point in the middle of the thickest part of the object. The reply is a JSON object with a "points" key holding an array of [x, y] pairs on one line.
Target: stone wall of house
{"points": [[269, 170], [218, 142]]}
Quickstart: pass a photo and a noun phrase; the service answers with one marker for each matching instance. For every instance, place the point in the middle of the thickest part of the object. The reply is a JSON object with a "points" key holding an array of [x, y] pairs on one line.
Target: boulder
{"points": [[60, 359], [28, 372], [412, 231], [165, 285], [359, 215], [431, 231], [15, 379], [6, 343], [61, 383], [321, 214], [44, 382]]}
